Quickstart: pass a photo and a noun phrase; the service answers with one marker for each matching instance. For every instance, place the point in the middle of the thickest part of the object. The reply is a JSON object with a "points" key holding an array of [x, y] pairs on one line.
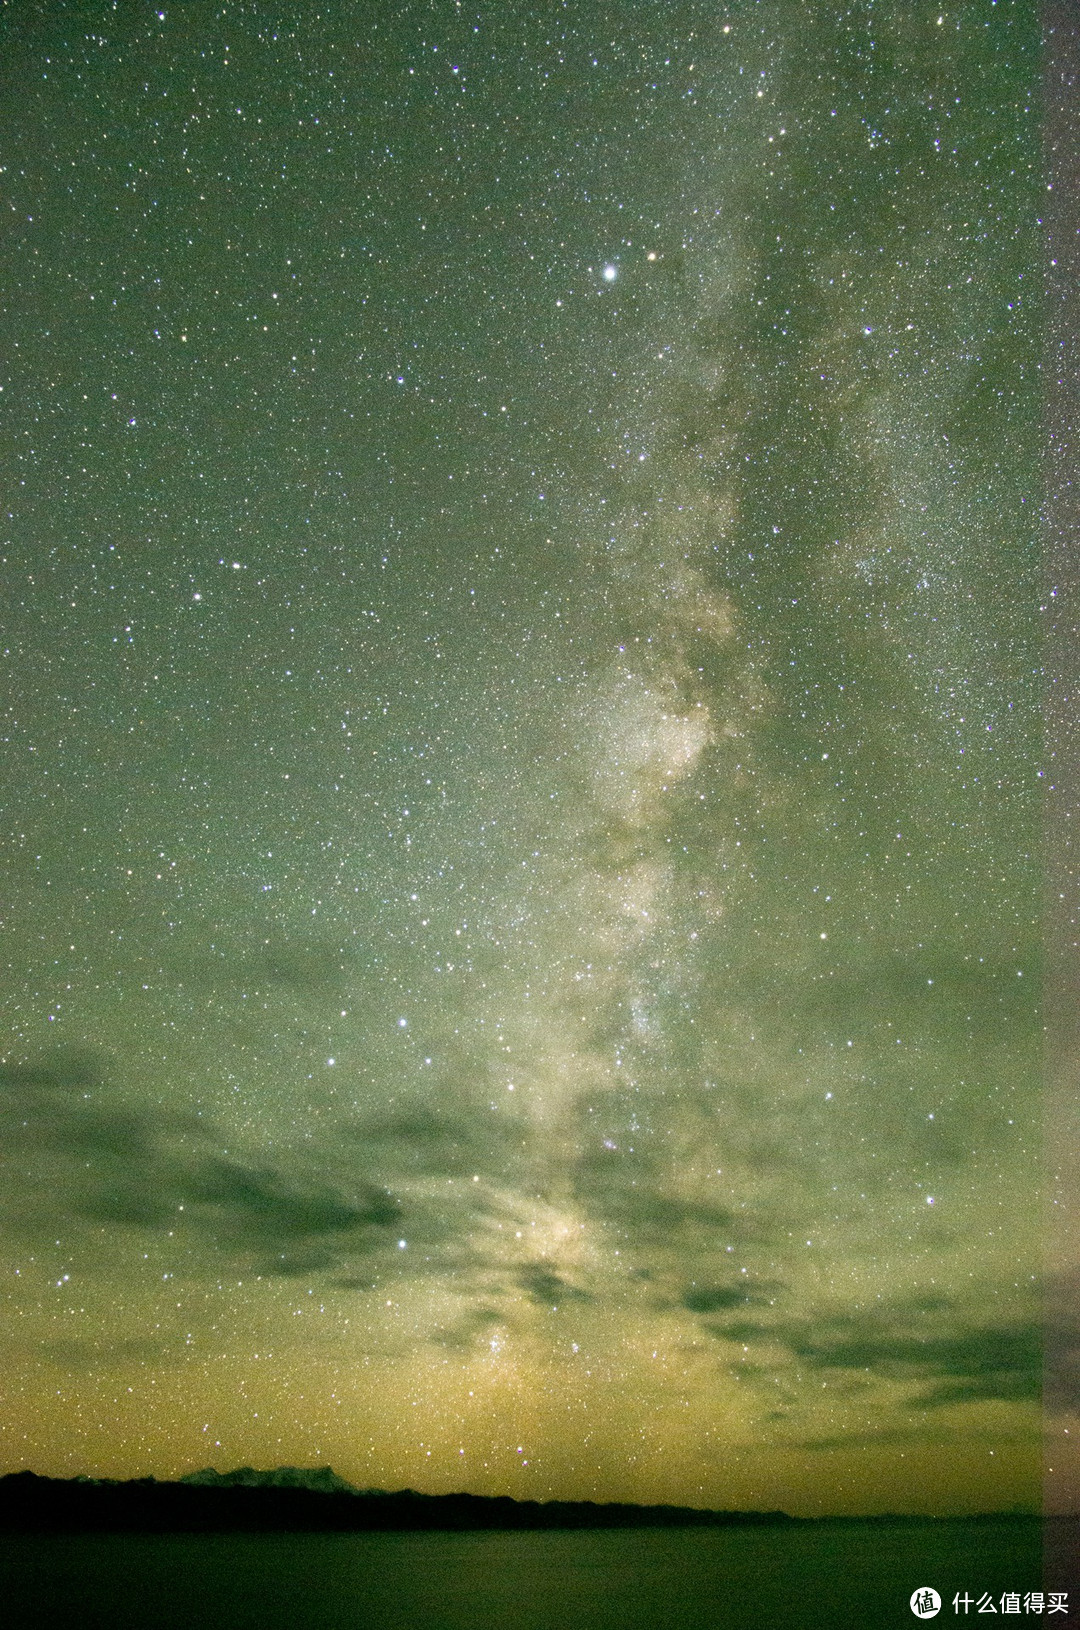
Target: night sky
{"points": [[521, 696]]}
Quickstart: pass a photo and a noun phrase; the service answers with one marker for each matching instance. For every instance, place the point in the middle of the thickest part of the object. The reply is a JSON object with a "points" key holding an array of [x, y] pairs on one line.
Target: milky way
{"points": [[521, 580]]}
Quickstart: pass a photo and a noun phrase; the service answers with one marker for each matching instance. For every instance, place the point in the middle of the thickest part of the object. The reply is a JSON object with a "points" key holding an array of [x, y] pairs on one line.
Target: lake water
{"points": [[828, 1577]]}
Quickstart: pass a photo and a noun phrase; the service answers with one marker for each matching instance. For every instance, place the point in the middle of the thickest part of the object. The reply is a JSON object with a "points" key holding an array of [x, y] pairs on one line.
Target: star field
{"points": [[522, 687]]}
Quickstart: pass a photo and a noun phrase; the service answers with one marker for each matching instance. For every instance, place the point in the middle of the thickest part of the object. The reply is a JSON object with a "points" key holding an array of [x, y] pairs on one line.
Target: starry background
{"points": [[521, 736]]}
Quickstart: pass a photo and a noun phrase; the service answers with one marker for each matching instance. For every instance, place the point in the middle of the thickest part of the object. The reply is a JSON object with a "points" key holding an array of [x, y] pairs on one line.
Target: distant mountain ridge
{"points": [[321, 1479], [292, 1499]]}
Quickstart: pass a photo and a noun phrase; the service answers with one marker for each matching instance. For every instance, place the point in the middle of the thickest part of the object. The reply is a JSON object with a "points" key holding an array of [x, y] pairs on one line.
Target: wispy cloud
{"points": [[950, 1360], [151, 1169]]}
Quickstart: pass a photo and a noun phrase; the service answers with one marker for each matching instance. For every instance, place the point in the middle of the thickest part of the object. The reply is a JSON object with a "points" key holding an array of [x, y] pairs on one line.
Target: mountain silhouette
{"points": [[307, 1500]]}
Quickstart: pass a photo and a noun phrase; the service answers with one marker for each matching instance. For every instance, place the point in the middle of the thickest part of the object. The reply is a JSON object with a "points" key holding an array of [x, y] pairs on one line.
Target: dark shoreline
{"points": [[29, 1503]]}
